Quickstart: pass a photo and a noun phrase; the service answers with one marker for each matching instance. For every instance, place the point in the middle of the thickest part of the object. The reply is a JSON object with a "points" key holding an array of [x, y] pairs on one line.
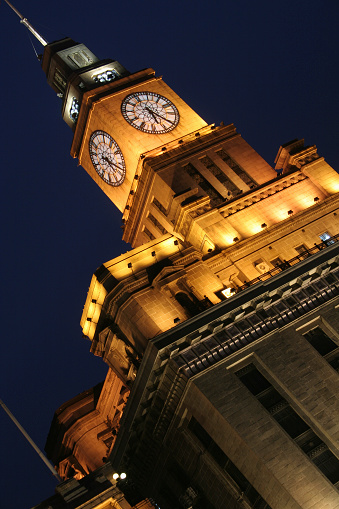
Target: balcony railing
{"points": [[285, 264]]}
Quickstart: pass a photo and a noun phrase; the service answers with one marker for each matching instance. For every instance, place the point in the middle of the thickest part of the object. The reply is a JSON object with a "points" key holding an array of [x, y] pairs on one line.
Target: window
{"points": [[291, 422], [216, 198], [74, 110], [186, 303], [326, 238], [105, 76], [59, 80], [159, 206], [149, 234], [236, 168], [227, 465], [324, 345], [220, 175], [277, 262], [156, 223], [80, 58]]}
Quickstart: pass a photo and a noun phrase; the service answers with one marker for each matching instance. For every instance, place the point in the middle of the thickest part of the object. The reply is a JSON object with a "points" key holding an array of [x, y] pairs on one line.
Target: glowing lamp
{"points": [[115, 476], [123, 475]]}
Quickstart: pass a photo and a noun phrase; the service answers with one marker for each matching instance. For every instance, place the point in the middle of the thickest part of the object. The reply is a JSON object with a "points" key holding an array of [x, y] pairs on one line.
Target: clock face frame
{"points": [[150, 112], [107, 158]]}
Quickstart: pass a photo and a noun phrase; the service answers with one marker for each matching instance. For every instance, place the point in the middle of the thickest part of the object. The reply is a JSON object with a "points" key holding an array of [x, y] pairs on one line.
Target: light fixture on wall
{"points": [[117, 476], [264, 225], [316, 198], [228, 292], [290, 212]]}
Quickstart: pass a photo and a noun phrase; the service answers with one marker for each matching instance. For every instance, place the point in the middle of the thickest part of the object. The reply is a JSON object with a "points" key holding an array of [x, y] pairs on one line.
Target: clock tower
{"points": [[117, 117], [220, 326]]}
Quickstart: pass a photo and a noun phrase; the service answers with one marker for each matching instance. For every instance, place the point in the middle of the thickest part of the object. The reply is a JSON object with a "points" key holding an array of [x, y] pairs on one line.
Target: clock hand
{"points": [[157, 114], [152, 113], [110, 163]]}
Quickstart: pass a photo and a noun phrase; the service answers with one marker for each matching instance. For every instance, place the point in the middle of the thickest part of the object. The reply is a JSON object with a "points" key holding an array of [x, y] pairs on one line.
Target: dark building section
{"points": [[238, 408]]}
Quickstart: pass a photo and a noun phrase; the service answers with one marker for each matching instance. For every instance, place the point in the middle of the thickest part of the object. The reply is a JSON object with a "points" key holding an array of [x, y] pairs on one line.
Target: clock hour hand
{"points": [[159, 116], [107, 160], [152, 113]]}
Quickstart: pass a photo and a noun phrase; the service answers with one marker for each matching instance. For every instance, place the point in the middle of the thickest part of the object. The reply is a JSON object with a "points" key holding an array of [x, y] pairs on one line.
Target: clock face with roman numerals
{"points": [[150, 112], [107, 158]]}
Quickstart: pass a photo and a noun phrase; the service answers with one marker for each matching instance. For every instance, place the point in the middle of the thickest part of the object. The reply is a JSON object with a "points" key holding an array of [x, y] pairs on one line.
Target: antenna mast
{"points": [[26, 435], [27, 24]]}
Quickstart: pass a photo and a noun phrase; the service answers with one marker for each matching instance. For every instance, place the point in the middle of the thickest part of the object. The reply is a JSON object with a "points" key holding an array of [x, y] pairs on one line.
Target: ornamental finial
{"points": [[27, 24]]}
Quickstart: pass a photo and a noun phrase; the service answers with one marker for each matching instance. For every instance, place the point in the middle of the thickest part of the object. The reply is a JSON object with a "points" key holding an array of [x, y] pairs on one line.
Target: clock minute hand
{"points": [[163, 118], [152, 113], [110, 162]]}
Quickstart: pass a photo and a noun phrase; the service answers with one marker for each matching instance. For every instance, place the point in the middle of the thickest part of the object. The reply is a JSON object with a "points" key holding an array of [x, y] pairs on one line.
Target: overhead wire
{"points": [[35, 51]]}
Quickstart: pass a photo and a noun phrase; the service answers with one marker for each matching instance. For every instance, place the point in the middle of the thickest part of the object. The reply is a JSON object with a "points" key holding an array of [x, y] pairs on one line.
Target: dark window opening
{"points": [[157, 223], [216, 198], [277, 262], [324, 345], [237, 169], [189, 306], [220, 175], [227, 465], [159, 206], [149, 234], [320, 341], [291, 422]]}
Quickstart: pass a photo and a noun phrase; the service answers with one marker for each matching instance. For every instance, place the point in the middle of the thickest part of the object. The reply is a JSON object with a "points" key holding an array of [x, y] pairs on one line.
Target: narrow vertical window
{"points": [[291, 422], [156, 223], [237, 169], [220, 175], [324, 345], [245, 487], [148, 233], [216, 198], [159, 206]]}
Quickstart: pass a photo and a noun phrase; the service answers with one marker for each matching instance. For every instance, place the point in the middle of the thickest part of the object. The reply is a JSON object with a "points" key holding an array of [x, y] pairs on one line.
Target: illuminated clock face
{"points": [[107, 158], [150, 112]]}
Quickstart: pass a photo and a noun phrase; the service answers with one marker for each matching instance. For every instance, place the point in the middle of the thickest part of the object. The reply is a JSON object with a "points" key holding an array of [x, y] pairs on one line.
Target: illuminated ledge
{"points": [[120, 268], [311, 273]]}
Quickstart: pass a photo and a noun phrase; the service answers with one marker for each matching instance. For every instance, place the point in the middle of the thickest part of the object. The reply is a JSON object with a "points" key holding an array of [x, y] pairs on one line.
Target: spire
{"points": [[27, 24]]}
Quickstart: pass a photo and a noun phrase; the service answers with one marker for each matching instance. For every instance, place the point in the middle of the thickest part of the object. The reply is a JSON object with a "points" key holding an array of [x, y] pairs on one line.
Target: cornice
{"points": [[265, 191], [276, 232]]}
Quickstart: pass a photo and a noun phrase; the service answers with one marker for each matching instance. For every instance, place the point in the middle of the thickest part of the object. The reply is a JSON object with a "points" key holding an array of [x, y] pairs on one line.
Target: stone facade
{"points": [[222, 321]]}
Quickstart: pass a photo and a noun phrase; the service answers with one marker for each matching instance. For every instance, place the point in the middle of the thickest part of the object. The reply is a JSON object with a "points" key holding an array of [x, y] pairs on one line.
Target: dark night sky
{"points": [[270, 67]]}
